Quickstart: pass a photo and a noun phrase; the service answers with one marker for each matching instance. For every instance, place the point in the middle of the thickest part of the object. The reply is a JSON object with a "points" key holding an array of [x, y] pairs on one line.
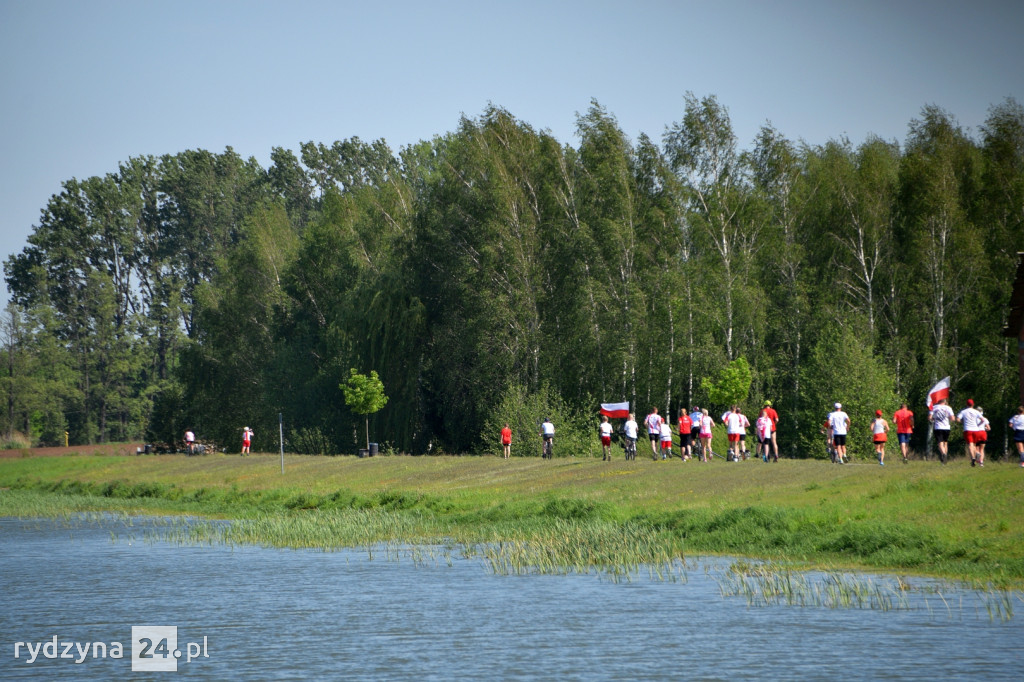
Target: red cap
{"points": [[878, 413], [970, 403]]}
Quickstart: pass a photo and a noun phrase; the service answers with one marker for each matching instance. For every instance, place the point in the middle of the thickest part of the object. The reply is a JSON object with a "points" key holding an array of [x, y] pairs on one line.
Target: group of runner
{"points": [[695, 434]]}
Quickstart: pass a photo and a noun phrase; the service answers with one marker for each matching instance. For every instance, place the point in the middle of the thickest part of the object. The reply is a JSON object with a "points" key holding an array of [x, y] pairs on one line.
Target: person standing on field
{"points": [[506, 441], [839, 421], [879, 435], [1017, 424], [246, 440], [733, 429], [973, 429], [685, 434], [605, 429], [763, 429], [904, 420], [653, 424], [190, 442], [940, 417]]}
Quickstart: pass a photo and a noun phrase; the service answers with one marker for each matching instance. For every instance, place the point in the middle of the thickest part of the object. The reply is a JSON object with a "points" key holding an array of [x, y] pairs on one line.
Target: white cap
{"points": [[839, 406]]}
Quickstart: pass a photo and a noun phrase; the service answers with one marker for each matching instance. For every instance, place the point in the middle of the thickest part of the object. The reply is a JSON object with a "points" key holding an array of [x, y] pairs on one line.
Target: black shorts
{"points": [[655, 436], [838, 440], [942, 435], [684, 440]]}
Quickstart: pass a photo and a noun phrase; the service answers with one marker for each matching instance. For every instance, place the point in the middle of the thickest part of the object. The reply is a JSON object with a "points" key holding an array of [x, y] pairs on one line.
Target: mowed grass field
{"points": [[952, 521]]}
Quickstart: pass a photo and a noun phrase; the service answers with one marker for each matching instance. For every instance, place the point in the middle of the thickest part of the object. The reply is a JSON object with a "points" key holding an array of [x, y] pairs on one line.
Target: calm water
{"points": [[284, 614]]}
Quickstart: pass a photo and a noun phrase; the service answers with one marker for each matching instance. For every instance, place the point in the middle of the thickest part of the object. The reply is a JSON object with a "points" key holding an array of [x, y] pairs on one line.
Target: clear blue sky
{"points": [[87, 84]]}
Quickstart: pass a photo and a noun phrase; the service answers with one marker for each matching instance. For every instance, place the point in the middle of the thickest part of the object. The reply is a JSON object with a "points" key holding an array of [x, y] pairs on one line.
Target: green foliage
{"points": [[732, 386], [364, 395], [575, 432]]}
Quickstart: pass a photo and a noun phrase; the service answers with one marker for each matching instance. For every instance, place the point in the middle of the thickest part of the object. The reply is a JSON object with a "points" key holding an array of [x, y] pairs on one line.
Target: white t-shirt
{"points": [[764, 427], [878, 426], [666, 431], [1017, 422], [838, 421], [734, 423], [631, 428], [189, 437], [606, 429], [971, 419], [547, 428], [941, 414], [705, 426], [653, 423]]}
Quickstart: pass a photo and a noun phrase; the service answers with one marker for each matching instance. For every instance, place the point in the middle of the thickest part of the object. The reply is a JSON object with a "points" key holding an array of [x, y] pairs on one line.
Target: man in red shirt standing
{"points": [[685, 428], [770, 412], [506, 440], [904, 420]]}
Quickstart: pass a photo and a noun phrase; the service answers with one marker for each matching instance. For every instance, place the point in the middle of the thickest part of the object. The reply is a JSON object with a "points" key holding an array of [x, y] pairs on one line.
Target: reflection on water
{"points": [[286, 614]]}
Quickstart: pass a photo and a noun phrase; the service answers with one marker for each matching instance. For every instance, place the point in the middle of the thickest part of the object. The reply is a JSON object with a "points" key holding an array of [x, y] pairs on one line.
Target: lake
{"points": [[258, 613]]}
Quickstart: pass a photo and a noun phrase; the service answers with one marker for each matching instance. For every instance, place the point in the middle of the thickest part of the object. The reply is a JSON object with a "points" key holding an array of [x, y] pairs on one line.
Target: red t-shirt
{"points": [[506, 436], [904, 421], [773, 415], [685, 424]]}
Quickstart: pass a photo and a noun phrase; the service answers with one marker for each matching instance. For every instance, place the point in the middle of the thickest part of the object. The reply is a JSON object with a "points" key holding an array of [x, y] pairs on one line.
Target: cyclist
{"points": [[631, 430], [547, 433]]}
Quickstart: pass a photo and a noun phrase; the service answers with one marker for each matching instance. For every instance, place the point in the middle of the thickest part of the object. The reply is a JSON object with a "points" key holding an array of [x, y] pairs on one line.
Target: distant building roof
{"points": [[1016, 318]]}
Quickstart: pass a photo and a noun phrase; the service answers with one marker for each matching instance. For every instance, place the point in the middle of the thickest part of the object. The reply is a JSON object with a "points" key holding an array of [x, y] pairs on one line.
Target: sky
{"points": [[88, 84]]}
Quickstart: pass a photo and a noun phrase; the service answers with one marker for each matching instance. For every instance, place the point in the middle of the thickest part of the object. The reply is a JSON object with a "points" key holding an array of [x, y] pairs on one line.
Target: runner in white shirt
{"points": [[1017, 424], [971, 419], [982, 436], [839, 421], [605, 429], [879, 435], [734, 428], [653, 424], [940, 417]]}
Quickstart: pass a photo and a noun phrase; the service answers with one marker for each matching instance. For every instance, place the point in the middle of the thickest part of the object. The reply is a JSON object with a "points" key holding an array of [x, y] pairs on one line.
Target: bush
{"points": [[16, 441], [575, 432]]}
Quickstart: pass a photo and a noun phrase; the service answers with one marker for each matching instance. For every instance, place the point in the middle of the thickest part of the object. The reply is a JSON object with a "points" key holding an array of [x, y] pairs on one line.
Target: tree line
{"points": [[496, 273]]}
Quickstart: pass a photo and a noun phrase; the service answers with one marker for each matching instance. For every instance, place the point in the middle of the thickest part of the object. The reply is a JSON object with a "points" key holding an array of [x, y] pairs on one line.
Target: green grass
{"points": [[571, 514]]}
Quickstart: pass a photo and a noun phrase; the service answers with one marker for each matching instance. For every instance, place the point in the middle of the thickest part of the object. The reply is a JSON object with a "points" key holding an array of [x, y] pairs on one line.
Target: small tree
{"points": [[364, 395], [733, 385]]}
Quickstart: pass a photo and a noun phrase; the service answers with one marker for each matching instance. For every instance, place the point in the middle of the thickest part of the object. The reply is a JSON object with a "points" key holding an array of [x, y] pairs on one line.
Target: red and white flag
{"points": [[615, 410], [940, 391]]}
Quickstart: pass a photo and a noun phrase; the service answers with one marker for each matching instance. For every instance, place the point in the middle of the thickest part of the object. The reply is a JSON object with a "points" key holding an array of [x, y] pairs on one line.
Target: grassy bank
{"points": [[922, 518]]}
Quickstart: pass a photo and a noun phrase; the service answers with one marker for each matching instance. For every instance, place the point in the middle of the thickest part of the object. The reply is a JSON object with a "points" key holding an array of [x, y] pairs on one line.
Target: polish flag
{"points": [[940, 391], [615, 410]]}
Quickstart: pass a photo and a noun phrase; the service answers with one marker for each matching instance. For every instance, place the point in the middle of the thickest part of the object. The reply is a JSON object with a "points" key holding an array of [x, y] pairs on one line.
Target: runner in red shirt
{"points": [[506, 440], [685, 433], [904, 420], [774, 416]]}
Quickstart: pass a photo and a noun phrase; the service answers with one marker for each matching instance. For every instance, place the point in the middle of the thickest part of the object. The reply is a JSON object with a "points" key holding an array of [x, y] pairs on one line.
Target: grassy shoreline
{"points": [[952, 522]]}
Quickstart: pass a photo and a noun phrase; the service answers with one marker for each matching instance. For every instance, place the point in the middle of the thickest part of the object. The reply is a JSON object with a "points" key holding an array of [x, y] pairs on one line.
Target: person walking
{"points": [[879, 435], [653, 424], [632, 431], [839, 422], [246, 440], [1017, 424], [982, 436], [666, 439], [941, 416], [685, 434], [190, 442], [774, 416], [605, 430], [903, 418], [733, 429], [506, 441], [763, 430], [973, 429]]}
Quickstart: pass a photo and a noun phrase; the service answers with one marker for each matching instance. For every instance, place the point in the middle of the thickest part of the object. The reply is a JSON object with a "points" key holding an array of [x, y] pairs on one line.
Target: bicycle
{"points": [[630, 448], [547, 448]]}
